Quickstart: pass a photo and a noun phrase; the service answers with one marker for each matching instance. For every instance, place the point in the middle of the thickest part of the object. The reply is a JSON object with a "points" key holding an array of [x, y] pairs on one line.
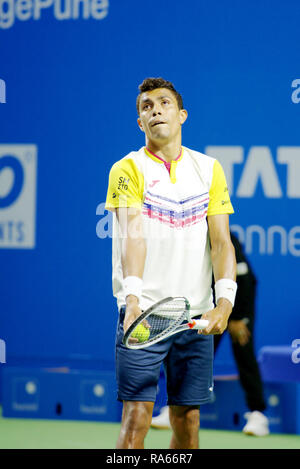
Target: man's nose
{"points": [[156, 110]]}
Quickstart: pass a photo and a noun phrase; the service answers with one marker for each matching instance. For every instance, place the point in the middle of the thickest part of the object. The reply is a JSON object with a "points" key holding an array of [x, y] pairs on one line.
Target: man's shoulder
{"points": [[134, 156], [130, 166], [201, 161], [200, 157]]}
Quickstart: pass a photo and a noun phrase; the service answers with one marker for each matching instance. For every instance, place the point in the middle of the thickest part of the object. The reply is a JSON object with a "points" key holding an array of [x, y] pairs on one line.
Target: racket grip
{"points": [[198, 324]]}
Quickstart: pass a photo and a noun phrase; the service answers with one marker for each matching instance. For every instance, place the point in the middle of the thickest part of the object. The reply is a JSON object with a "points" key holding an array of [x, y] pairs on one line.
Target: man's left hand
{"points": [[217, 317]]}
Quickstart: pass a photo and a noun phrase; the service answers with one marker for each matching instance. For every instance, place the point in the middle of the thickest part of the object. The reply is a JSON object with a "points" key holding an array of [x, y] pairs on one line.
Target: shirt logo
{"points": [[155, 181], [123, 183]]}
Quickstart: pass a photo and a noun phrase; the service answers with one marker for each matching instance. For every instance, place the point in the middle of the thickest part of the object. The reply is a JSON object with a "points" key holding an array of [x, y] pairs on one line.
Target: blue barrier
{"points": [[227, 410], [60, 393]]}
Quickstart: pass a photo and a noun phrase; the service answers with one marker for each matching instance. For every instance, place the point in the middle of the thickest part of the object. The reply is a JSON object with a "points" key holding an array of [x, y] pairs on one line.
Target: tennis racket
{"points": [[161, 320]]}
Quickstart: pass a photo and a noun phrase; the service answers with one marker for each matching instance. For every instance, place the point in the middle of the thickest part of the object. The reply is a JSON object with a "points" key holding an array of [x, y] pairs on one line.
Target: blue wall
{"points": [[71, 86]]}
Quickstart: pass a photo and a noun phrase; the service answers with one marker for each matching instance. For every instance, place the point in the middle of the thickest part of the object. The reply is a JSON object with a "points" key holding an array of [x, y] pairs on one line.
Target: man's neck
{"points": [[167, 152]]}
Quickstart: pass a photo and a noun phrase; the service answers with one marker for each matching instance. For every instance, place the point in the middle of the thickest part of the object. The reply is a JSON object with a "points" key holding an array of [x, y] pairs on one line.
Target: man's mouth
{"points": [[157, 123]]}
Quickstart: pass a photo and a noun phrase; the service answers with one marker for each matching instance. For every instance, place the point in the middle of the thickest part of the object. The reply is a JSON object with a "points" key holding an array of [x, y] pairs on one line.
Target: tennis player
{"points": [[171, 229]]}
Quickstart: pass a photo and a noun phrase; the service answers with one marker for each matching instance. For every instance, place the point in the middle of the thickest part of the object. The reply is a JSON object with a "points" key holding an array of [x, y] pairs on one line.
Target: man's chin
{"points": [[160, 135]]}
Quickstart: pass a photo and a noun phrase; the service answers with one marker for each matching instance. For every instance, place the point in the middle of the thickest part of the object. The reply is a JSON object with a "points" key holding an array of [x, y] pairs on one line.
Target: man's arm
{"points": [[133, 255], [224, 267]]}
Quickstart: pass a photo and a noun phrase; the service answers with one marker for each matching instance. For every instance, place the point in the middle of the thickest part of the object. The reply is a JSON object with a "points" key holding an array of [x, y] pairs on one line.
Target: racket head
{"points": [[163, 317]]}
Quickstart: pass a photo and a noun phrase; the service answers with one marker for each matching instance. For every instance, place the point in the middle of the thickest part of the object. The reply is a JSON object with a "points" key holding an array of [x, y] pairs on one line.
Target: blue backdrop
{"points": [[71, 69]]}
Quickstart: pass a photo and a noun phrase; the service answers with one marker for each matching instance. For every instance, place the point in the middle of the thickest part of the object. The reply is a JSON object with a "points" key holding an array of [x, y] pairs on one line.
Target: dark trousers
{"points": [[249, 373]]}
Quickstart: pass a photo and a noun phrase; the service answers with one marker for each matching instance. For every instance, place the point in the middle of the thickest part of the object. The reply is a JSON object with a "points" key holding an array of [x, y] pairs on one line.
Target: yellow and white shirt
{"points": [[175, 199]]}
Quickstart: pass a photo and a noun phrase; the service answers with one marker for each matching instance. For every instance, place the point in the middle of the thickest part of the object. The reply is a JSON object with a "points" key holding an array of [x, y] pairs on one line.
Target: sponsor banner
{"points": [[18, 165]]}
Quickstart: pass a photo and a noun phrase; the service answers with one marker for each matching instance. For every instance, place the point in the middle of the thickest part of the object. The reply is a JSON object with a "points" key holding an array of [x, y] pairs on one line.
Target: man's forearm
{"points": [[224, 267], [133, 262], [223, 261], [133, 242], [133, 257], [133, 254]]}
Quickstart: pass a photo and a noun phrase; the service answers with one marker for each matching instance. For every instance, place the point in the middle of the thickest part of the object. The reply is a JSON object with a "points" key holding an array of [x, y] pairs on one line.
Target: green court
{"points": [[54, 434]]}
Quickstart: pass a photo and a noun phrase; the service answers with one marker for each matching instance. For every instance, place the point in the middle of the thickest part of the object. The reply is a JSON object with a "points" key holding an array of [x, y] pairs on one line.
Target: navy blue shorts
{"points": [[188, 361]]}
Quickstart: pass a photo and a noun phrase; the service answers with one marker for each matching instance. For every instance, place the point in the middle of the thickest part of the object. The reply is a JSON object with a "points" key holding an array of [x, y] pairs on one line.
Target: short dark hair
{"points": [[150, 84]]}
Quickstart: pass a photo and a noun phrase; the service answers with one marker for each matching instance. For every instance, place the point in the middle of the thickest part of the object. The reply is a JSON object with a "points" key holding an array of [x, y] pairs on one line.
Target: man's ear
{"points": [[140, 124], [183, 115]]}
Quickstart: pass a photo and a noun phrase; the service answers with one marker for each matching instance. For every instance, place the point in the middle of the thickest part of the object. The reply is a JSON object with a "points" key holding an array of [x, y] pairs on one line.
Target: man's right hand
{"points": [[133, 311]]}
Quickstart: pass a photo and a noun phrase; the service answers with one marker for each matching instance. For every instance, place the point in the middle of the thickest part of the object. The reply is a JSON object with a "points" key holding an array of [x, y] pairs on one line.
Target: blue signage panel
{"points": [[71, 71]]}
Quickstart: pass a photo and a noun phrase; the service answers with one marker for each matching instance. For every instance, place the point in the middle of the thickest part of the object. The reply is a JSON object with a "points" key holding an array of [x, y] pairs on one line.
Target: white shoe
{"points": [[162, 420], [257, 424]]}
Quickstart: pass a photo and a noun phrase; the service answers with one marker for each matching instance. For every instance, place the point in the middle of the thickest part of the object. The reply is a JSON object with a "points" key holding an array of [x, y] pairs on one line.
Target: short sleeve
{"points": [[219, 200], [126, 185]]}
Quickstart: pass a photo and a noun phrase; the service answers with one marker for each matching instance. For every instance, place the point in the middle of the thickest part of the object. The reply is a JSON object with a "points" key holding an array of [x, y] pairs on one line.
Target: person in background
{"points": [[240, 328]]}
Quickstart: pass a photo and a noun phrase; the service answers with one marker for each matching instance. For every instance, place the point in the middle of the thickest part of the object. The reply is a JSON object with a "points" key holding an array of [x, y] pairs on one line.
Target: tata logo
{"points": [[260, 166], [17, 195]]}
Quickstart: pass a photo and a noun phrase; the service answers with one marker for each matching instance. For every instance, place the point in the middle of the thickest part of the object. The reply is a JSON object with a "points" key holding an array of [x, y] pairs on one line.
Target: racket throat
{"points": [[192, 323]]}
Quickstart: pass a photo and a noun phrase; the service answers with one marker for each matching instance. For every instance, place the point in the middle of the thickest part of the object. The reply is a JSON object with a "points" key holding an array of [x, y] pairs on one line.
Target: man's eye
{"points": [[147, 106]]}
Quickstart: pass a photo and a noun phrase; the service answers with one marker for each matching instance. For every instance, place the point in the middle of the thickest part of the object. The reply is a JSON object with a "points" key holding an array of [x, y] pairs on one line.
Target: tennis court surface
{"points": [[54, 434]]}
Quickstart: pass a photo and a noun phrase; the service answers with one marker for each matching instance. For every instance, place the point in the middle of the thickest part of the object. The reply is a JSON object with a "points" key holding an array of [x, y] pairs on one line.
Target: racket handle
{"points": [[198, 324]]}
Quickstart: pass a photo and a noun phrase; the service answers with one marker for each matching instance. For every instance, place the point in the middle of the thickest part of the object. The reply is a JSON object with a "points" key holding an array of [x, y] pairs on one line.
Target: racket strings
{"points": [[162, 319], [171, 310]]}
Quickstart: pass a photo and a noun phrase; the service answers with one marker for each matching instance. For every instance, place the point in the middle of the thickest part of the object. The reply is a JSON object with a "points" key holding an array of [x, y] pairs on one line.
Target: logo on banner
{"points": [[260, 168], [22, 10], [18, 165]]}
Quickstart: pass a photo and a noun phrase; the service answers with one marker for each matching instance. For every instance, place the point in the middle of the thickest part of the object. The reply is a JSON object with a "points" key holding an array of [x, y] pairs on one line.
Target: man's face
{"points": [[160, 117]]}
